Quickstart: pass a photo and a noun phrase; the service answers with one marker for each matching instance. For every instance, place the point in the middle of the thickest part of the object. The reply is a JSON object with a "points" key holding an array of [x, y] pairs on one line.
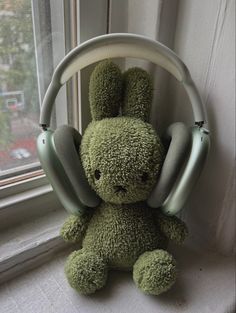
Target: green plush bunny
{"points": [[122, 158]]}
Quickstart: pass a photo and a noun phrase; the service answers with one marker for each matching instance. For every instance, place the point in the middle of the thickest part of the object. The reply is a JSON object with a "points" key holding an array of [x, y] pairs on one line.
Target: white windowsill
{"points": [[29, 244], [206, 282], [205, 285]]}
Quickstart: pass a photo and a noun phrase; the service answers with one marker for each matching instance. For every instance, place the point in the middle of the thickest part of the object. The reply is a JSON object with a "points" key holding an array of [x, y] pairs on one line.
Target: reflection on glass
{"points": [[19, 101]]}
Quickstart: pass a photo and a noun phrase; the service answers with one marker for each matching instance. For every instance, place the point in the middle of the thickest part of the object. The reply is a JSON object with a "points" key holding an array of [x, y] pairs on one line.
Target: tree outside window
{"points": [[19, 101]]}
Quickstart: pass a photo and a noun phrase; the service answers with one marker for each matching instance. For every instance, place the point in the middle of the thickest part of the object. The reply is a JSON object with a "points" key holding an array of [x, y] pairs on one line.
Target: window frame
{"points": [[76, 28]]}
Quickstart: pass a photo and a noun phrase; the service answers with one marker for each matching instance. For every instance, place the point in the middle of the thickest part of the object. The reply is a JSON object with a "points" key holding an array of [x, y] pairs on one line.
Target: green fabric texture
{"points": [[122, 157], [86, 271], [105, 90], [137, 94], [125, 152], [155, 272], [74, 228]]}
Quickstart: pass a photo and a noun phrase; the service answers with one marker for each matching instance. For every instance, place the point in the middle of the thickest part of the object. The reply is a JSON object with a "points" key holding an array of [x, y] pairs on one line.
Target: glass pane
{"points": [[19, 98]]}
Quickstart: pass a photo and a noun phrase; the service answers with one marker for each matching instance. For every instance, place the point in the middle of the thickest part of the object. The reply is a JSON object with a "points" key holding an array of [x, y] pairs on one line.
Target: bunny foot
{"points": [[86, 271], [154, 272]]}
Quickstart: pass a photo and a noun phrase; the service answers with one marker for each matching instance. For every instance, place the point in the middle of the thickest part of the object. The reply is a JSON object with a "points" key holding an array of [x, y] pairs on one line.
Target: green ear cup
{"points": [[51, 156], [178, 137], [56, 174], [67, 143]]}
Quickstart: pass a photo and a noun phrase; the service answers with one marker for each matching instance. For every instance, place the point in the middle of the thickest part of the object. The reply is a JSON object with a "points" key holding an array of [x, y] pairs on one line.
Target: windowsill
{"points": [[205, 284], [24, 201], [29, 244]]}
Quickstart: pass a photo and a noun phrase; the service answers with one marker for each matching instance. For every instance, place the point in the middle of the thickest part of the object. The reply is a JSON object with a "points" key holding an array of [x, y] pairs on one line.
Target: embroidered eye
{"points": [[97, 174], [144, 177]]}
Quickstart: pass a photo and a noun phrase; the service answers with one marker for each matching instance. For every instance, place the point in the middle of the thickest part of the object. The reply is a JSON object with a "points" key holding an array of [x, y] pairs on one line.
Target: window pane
{"points": [[19, 97]]}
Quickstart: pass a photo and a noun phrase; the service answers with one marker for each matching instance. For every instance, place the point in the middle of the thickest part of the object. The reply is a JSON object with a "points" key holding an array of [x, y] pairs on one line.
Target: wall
{"points": [[202, 32], [155, 19], [205, 40]]}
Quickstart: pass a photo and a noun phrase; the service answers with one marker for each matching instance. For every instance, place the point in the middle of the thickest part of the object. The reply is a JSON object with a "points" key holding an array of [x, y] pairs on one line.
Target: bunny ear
{"points": [[105, 90], [137, 93]]}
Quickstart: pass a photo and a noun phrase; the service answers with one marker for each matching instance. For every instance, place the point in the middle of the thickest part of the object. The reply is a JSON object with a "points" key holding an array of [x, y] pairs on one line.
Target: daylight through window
{"points": [[19, 99]]}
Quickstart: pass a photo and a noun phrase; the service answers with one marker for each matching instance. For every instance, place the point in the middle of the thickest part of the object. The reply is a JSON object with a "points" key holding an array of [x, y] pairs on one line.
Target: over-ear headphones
{"points": [[58, 151]]}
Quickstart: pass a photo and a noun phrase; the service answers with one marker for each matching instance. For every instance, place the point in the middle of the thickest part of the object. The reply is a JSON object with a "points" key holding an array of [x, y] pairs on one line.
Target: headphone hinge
{"points": [[43, 126], [200, 124]]}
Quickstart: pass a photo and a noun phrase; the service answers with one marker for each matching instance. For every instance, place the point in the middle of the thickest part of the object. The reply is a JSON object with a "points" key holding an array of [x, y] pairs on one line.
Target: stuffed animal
{"points": [[122, 157]]}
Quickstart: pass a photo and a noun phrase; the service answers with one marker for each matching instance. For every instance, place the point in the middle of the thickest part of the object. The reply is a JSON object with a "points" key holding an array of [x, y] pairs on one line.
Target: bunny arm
{"points": [[172, 227], [74, 228]]}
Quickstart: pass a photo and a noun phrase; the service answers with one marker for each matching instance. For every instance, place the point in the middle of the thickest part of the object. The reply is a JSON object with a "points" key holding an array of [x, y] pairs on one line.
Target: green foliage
{"points": [[17, 50], [5, 133]]}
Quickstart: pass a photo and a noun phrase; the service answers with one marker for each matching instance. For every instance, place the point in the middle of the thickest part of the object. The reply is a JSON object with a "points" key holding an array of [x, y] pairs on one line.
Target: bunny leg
{"points": [[86, 271], [154, 272]]}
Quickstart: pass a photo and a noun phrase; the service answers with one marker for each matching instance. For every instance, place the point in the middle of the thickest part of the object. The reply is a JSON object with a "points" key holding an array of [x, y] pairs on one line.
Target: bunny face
{"points": [[121, 155], [122, 159]]}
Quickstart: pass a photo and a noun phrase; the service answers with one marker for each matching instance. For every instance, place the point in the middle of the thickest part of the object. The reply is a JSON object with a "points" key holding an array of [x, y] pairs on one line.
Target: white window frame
{"points": [[33, 198], [89, 23]]}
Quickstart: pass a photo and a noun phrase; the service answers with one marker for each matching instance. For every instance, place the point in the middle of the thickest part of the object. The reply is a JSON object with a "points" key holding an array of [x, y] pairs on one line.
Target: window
{"points": [[34, 36], [19, 96], [32, 42], [25, 193]]}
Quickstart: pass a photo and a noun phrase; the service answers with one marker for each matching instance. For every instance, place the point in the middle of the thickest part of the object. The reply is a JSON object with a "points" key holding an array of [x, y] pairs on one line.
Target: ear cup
{"points": [[200, 144], [179, 138], [56, 174], [67, 142]]}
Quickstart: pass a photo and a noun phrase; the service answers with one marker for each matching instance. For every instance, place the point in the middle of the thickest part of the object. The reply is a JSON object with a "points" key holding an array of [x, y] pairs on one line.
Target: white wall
{"points": [[155, 19], [205, 40], [202, 32]]}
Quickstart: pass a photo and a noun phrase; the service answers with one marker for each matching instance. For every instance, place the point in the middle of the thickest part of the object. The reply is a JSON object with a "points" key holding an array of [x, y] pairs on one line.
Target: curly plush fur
{"points": [[125, 152], [122, 157]]}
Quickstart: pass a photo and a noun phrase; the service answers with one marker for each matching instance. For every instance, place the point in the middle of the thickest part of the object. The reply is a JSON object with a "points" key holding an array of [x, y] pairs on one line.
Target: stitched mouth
{"points": [[120, 189]]}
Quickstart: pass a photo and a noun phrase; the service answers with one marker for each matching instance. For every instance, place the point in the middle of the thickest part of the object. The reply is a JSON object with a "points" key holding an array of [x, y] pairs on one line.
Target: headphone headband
{"points": [[115, 46]]}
